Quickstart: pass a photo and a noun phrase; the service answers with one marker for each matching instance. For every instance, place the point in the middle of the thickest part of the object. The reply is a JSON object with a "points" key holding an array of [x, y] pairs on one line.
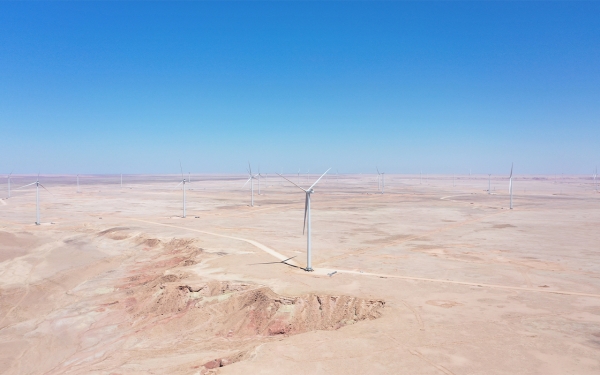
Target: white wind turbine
{"points": [[10, 174], [308, 192], [510, 189], [490, 183], [183, 182], [380, 180], [37, 197], [259, 176], [121, 180], [251, 180]]}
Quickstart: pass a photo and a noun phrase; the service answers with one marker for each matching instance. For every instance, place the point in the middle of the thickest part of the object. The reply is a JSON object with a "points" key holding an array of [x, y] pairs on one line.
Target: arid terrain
{"points": [[427, 278]]}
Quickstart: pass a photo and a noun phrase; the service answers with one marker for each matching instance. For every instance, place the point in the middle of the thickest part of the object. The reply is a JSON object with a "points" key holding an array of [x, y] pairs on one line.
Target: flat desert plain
{"points": [[435, 276]]}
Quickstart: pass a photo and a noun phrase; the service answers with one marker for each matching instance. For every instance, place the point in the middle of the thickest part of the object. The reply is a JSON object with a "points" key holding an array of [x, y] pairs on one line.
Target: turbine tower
{"points": [[37, 197], [380, 180], [510, 189], [183, 182], [10, 174], [251, 180], [258, 180], [306, 227]]}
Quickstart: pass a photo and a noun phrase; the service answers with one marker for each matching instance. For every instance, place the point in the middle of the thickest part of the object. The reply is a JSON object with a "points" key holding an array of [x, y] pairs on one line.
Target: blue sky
{"points": [[444, 87]]}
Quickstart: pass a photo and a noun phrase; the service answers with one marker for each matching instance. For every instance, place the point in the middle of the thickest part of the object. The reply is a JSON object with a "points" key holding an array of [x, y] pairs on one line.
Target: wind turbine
{"points": [[37, 197], [298, 175], [121, 180], [380, 180], [10, 174], [251, 180], [183, 181], [510, 184], [258, 180], [308, 192]]}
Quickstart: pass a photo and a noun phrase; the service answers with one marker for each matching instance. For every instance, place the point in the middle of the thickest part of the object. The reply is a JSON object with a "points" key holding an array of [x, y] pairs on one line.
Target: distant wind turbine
{"points": [[380, 180], [259, 176], [10, 174], [510, 189], [37, 197], [251, 180], [489, 183], [183, 182], [121, 180], [308, 192]]}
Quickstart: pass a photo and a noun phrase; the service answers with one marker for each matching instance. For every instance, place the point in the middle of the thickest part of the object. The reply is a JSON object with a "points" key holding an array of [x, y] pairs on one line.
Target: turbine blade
{"points": [[176, 186], [248, 180], [318, 179], [292, 182], [181, 168], [305, 211], [46, 189], [377, 170], [24, 186], [249, 169], [511, 168]]}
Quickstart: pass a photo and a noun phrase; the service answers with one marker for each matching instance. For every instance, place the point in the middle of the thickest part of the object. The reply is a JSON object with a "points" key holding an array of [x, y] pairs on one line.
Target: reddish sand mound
{"points": [[241, 310], [263, 312]]}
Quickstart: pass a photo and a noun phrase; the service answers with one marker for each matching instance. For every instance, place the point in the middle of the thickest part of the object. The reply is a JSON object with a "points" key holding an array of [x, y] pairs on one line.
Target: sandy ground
{"points": [[428, 278]]}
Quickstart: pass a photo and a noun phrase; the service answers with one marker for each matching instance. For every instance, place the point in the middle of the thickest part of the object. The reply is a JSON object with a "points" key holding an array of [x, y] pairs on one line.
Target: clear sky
{"points": [[444, 87]]}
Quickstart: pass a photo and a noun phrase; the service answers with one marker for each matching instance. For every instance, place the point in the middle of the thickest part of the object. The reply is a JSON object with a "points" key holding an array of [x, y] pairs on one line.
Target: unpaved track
{"points": [[326, 271], [252, 242]]}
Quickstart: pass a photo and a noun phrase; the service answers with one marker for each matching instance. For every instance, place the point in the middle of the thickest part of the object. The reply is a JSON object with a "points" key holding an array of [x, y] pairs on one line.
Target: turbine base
{"points": [[308, 269]]}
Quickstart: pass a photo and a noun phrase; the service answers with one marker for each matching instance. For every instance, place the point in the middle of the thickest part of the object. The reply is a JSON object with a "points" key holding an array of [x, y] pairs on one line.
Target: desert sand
{"points": [[427, 278]]}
